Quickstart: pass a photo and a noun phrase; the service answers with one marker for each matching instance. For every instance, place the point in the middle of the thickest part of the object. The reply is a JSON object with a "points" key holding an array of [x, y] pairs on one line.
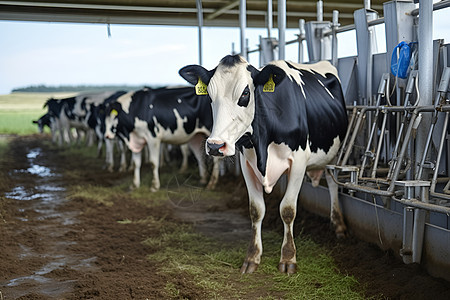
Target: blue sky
{"points": [[61, 53]]}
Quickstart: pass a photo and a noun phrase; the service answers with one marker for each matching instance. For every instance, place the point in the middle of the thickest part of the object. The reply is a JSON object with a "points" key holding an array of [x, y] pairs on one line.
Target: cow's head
{"points": [[112, 120], [231, 86]]}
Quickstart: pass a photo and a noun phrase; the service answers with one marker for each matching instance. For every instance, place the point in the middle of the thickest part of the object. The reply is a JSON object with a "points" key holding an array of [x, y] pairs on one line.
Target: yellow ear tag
{"points": [[269, 86], [201, 88], [114, 112]]}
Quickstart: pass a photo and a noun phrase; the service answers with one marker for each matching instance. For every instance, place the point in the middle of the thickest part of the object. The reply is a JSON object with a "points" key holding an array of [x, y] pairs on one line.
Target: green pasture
{"points": [[18, 110]]}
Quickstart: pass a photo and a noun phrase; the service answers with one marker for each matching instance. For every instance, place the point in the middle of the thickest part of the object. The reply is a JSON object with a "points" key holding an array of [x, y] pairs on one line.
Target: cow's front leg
{"points": [[288, 211], [196, 144], [257, 210], [109, 154], [214, 174], [137, 161], [153, 154], [336, 217], [123, 156]]}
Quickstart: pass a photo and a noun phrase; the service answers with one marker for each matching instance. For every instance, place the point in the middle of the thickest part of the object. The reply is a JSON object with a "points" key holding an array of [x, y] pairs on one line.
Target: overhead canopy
{"points": [[223, 13]]}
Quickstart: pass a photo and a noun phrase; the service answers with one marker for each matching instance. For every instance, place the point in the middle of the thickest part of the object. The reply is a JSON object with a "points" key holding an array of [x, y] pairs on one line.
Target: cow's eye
{"points": [[245, 97]]}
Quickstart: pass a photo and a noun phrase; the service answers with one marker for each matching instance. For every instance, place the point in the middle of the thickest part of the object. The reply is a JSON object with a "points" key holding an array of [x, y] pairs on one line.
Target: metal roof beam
{"points": [[223, 10]]}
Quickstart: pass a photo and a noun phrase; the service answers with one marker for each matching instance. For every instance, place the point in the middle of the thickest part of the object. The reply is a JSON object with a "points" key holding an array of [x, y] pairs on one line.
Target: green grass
{"points": [[212, 266], [18, 110]]}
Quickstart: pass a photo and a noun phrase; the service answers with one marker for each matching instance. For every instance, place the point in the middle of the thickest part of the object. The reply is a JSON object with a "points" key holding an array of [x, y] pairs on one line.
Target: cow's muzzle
{"points": [[214, 149]]}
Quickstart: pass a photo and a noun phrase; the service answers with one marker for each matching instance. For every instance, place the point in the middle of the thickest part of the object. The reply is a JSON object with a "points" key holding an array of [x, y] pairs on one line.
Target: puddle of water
{"points": [[40, 171], [20, 193], [48, 195], [34, 153]]}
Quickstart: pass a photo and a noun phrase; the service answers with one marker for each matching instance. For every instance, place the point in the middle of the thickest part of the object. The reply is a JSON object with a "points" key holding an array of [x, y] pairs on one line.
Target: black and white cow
{"points": [[285, 118], [95, 113], [166, 115]]}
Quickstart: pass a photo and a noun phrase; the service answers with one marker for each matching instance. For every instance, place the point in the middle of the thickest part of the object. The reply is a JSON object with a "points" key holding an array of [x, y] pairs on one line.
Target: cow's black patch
{"points": [[286, 116], [231, 60]]}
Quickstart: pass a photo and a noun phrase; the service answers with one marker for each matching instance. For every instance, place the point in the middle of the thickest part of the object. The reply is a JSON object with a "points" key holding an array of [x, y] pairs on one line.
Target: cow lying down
{"points": [[285, 118], [166, 115]]}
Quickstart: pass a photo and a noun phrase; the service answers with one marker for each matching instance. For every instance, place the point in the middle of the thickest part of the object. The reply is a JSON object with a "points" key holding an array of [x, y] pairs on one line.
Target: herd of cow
{"points": [[285, 118]]}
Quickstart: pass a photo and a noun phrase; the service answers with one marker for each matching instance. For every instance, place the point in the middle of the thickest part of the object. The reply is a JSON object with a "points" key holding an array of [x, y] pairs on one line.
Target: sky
{"points": [[53, 54]]}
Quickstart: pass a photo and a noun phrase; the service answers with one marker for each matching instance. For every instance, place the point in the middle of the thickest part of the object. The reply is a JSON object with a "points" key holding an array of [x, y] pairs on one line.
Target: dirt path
{"points": [[53, 246]]}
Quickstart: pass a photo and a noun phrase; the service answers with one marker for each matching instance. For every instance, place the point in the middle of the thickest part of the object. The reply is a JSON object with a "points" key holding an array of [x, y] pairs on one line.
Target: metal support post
{"points": [[425, 71], [243, 25], [269, 18], [334, 26], [412, 246], [281, 29], [200, 26], [301, 38]]}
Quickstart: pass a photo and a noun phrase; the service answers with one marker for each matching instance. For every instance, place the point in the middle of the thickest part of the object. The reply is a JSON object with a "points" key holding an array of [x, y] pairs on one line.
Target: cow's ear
{"points": [[193, 72], [268, 72]]}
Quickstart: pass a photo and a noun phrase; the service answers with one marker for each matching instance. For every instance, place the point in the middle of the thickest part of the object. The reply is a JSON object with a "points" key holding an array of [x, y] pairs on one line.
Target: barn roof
{"points": [[223, 13]]}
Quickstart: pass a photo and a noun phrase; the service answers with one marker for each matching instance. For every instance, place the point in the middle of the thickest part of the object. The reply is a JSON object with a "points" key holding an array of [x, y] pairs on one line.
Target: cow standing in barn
{"points": [[285, 118], [166, 115]]}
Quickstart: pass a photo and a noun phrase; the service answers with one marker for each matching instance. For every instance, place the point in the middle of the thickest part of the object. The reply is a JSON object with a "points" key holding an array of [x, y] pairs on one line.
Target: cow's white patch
{"points": [[279, 160], [179, 136], [151, 106], [321, 158], [179, 100], [125, 101], [322, 68], [326, 89], [230, 120]]}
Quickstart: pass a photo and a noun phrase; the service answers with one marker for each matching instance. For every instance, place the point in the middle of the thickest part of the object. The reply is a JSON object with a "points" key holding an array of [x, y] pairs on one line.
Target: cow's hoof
{"points": [[211, 186], [122, 169], [110, 169], [248, 267], [154, 189], [341, 231], [289, 268]]}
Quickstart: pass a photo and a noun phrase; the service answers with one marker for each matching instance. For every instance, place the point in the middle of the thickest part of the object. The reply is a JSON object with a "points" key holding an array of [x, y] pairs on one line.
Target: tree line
{"points": [[75, 88]]}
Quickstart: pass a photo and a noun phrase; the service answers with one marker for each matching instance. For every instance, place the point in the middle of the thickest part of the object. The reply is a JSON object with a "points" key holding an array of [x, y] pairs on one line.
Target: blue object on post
{"points": [[400, 67]]}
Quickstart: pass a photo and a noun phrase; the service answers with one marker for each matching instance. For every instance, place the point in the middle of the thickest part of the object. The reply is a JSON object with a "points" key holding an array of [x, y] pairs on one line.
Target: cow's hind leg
{"points": [[153, 151], [257, 210], [123, 156], [288, 211], [336, 217], [184, 148], [137, 161]]}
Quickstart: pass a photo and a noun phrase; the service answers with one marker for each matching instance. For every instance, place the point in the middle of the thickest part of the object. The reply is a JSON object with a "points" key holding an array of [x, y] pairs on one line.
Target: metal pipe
{"points": [[243, 25], [281, 28], [367, 4], [334, 45], [301, 37], [380, 142], [424, 205], [426, 71], [320, 11], [438, 159], [436, 6], [347, 134], [408, 134], [200, 26], [269, 18]]}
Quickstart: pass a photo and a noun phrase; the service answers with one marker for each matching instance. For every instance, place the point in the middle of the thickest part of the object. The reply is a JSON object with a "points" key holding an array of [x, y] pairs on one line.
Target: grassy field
{"points": [[18, 110]]}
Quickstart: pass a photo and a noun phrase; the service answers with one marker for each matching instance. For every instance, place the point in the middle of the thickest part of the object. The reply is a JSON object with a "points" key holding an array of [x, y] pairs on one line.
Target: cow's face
{"points": [[231, 86], [111, 122]]}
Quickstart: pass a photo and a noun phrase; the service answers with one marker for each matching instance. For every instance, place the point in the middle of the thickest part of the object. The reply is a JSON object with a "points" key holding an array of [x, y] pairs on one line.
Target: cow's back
{"points": [[166, 109]]}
